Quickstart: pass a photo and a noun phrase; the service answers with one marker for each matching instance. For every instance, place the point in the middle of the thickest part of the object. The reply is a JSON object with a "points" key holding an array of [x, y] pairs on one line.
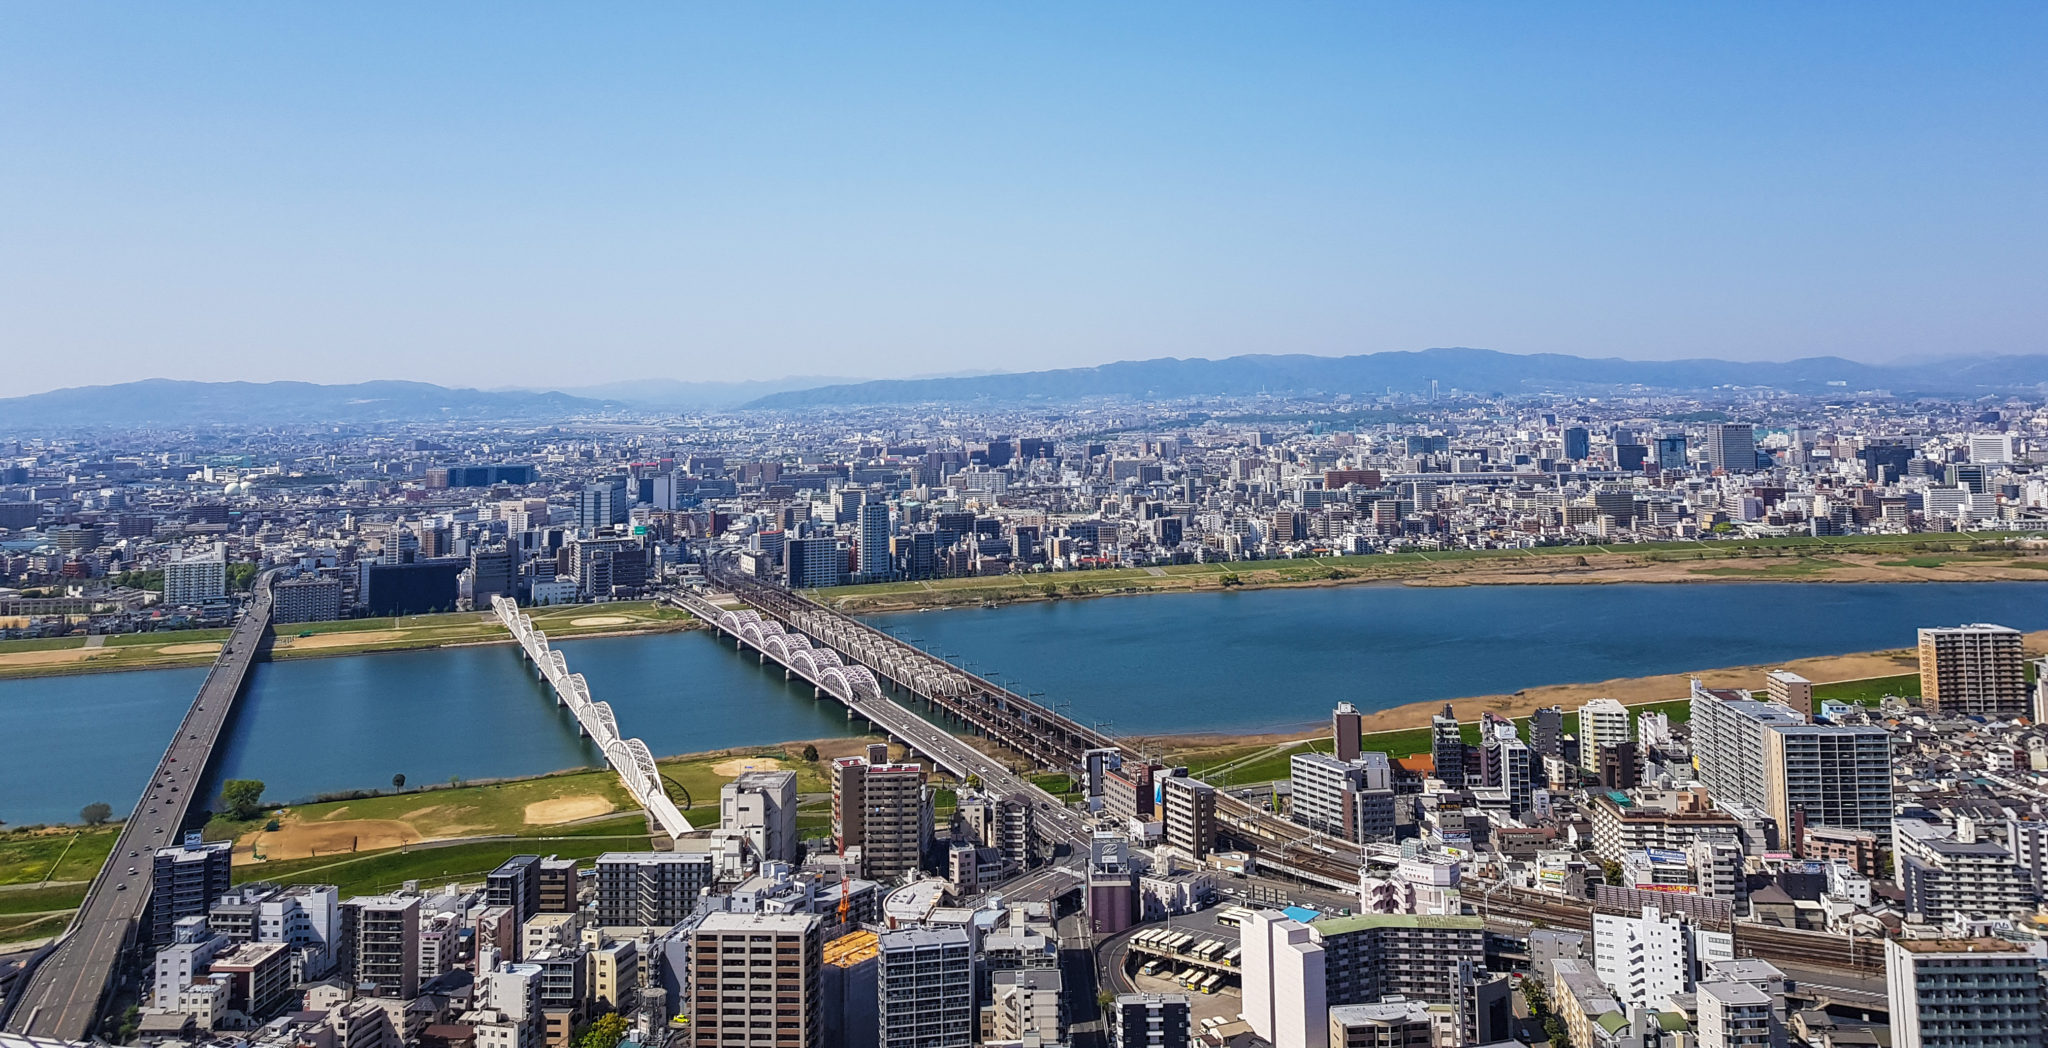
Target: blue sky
{"points": [[524, 194]]}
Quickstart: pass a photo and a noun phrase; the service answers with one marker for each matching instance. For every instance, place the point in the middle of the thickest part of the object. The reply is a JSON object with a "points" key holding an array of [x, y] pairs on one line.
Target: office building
{"points": [[195, 577], [651, 889], [186, 881], [1189, 817], [602, 503], [306, 598], [883, 810], [813, 563], [1150, 1020], [1112, 885], [1648, 958], [1602, 722], [1731, 447], [875, 564], [1974, 670], [1964, 993], [754, 981], [925, 986], [380, 945], [760, 806], [1578, 444]]}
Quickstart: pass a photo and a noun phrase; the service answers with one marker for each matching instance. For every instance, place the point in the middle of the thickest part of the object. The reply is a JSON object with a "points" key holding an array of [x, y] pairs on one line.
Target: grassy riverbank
{"points": [[135, 651], [379, 840], [1854, 558]]}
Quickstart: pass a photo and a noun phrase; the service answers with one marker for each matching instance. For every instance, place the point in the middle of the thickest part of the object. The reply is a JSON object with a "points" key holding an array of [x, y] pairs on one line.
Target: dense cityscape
{"points": [[1787, 862]]}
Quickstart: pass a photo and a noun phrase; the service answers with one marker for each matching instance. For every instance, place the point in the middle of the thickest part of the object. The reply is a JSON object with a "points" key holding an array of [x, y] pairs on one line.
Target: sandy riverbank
{"points": [[1630, 691]]}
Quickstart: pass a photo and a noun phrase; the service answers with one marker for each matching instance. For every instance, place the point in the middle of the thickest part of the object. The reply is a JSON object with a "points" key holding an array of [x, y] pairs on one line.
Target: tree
{"points": [[96, 813], [243, 797], [1612, 870], [398, 781], [810, 753], [241, 576], [606, 1032]]}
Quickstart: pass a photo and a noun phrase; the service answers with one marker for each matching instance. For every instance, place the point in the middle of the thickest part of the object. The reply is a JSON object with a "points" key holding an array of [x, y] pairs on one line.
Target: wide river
{"points": [[1158, 663]]}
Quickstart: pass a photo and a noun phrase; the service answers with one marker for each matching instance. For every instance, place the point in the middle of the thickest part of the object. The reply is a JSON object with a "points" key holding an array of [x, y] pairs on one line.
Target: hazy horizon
{"points": [[539, 198]]}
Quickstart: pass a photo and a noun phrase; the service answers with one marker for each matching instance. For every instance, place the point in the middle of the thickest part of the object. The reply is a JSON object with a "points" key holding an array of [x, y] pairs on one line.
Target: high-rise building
{"points": [[925, 985], [755, 981], [380, 944], [813, 563], [1731, 447], [186, 880], [1991, 448], [761, 807], [882, 809], [1974, 670], [1285, 980], [1546, 731], [1189, 817], [306, 598], [1602, 722], [1346, 731], [1964, 993], [1670, 451], [1417, 956], [875, 561], [603, 503], [515, 885], [196, 577], [558, 885], [1447, 748], [1578, 444], [651, 889], [1150, 1020], [1026, 1002], [1352, 800], [1766, 756]]}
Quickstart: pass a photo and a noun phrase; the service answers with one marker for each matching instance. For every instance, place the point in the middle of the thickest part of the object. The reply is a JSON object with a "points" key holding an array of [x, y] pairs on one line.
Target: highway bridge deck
{"points": [[62, 996]]}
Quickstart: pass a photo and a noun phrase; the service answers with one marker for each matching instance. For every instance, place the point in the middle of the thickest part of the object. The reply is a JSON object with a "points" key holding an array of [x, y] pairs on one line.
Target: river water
{"points": [[1166, 662]]}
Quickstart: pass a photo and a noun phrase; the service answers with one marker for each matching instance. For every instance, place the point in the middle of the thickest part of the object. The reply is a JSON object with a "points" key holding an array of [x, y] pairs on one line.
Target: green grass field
{"points": [[1871, 691], [1803, 550], [33, 856], [371, 873]]}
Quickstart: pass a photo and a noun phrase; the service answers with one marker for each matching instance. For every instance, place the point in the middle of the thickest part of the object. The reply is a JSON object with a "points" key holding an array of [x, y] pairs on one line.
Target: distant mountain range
{"points": [[159, 401], [1474, 370], [169, 402]]}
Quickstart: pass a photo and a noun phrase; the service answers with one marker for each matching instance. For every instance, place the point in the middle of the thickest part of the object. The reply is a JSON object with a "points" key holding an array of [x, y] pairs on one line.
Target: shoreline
{"points": [[197, 660], [1913, 559]]}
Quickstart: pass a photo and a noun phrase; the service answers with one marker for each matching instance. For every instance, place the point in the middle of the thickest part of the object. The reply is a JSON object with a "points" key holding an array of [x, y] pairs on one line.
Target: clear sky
{"points": [[526, 194]]}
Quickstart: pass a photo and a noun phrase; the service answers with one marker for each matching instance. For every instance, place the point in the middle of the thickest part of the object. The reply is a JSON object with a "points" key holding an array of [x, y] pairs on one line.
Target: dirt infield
{"points": [[600, 620], [188, 649], [741, 765], [341, 640], [300, 840], [52, 657], [567, 809]]}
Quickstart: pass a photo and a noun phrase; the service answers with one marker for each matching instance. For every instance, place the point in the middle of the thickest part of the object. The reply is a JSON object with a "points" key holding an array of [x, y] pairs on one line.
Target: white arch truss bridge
{"points": [[628, 757]]}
